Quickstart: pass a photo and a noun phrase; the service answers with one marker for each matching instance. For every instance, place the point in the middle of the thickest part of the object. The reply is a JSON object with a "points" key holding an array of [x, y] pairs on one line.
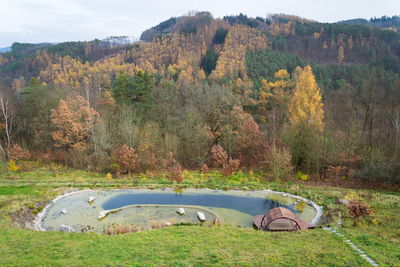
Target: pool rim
{"points": [[38, 221]]}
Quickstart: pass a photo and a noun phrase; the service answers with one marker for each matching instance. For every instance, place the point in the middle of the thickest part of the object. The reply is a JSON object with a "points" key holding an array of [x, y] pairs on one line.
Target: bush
{"points": [[301, 176], [357, 210], [279, 163], [127, 158], [113, 168], [17, 152], [230, 167], [174, 168], [218, 156], [204, 168], [12, 166]]}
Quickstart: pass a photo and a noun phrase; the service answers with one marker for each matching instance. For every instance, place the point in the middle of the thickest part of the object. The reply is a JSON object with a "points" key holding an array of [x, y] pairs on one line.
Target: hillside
{"points": [[385, 22], [225, 79], [280, 103]]}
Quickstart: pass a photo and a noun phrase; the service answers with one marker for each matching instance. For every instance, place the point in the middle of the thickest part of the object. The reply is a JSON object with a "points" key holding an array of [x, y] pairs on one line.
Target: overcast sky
{"points": [[71, 20]]}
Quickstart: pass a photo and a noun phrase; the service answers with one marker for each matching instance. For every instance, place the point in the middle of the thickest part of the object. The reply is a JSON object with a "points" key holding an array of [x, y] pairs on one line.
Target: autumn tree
{"points": [[306, 117], [340, 56], [249, 145], [274, 98], [306, 107], [127, 158], [73, 121], [218, 156]]}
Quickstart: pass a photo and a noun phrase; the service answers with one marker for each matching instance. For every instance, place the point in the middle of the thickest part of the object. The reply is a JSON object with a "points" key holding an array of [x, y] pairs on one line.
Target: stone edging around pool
{"points": [[37, 223]]}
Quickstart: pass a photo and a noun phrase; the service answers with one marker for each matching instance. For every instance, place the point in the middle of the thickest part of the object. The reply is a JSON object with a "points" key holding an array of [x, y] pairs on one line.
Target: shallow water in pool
{"points": [[145, 207], [245, 204]]}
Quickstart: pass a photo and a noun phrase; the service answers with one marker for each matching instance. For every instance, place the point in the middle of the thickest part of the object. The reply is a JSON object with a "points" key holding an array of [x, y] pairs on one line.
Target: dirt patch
{"points": [[25, 216]]}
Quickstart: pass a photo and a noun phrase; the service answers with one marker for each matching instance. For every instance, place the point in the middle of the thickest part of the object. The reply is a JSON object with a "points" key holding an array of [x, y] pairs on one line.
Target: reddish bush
{"points": [[357, 210], [218, 156], [127, 158], [176, 173], [17, 152], [230, 167], [204, 168], [174, 168], [249, 143]]}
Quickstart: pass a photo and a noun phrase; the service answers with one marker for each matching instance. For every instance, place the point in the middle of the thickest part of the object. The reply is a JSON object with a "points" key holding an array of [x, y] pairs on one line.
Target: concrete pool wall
{"points": [[79, 213]]}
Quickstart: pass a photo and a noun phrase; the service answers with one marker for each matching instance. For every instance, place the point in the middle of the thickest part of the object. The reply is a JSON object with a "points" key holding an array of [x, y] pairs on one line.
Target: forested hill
{"points": [[390, 23], [196, 82]]}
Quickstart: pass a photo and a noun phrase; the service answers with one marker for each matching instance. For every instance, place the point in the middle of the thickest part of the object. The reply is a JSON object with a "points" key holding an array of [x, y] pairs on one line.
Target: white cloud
{"points": [[63, 20]]}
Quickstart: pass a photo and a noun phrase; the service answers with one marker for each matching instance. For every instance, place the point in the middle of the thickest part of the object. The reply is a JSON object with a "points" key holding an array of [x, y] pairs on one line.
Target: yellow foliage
{"points": [[340, 56], [351, 195], [306, 107], [304, 177], [12, 166], [109, 176], [231, 62]]}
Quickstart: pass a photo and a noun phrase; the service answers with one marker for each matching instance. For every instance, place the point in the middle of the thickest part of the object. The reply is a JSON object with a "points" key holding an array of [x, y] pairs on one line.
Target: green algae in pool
{"points": [[250, 205]]}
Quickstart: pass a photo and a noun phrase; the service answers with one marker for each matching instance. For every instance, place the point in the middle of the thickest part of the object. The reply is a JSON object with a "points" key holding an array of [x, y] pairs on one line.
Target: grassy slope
{"points": [[194, 245]]}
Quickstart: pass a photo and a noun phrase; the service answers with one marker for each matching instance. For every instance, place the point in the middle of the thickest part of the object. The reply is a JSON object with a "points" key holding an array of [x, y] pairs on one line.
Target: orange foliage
{"points": [[358, 209], [17, 152], [204, 168], [249, 140], [174, 168], [230, 167], [73, 121], [218, 156], [127, 158]]}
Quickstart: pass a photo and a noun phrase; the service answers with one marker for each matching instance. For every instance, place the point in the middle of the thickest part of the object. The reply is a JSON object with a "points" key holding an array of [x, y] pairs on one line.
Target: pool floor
{"points": [[147, 209]]}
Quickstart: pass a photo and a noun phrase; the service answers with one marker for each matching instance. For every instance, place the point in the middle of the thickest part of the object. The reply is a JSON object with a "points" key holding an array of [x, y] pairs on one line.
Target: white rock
{"points": [[91, 199], [180, 211], [201, 216], [167, 224], [64, 211], [66, 228], [102, 214]]}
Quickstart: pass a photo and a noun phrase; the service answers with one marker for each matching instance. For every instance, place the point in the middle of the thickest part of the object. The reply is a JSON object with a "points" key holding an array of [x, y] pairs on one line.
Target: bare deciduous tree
{"points": [[7, 116]]}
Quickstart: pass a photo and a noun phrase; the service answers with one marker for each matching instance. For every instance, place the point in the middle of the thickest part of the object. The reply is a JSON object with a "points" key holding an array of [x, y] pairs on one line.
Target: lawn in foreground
{"points": [[179, 245], [190, 245]]}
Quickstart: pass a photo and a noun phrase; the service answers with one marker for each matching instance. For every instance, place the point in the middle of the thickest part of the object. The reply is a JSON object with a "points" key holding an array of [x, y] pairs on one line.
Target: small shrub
{"points": [[230, 167], [174, 168], [114, 168], [109, 176], [218, 156], [176, 173], [301, 176], [12, 166], [117, 229], [357, 210], [17, 152], [204, 168]]}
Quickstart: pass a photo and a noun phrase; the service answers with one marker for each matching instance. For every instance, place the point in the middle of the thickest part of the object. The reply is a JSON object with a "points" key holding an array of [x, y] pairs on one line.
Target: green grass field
{"points": [[22, 192]]}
